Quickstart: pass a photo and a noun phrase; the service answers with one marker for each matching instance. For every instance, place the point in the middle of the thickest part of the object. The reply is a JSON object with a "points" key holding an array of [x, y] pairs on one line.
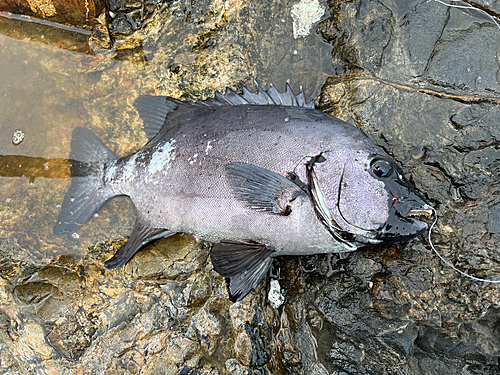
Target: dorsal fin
{"points": [[262, 97], [154, 110]]}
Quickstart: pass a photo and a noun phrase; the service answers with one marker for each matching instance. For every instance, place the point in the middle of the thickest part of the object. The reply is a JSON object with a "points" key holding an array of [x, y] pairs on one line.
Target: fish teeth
{"points": [[424, 210]]}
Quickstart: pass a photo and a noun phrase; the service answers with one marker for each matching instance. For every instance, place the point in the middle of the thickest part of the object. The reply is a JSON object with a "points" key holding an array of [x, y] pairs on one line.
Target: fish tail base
{"points": [[86, 194]]}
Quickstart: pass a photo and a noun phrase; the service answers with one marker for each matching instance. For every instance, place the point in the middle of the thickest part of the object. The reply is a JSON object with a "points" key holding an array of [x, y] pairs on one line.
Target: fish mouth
{"points": [[403, 227]]}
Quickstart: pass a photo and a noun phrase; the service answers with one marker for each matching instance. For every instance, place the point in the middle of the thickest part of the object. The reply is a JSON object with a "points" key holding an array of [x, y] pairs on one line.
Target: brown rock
{"points": [[81, 13]]}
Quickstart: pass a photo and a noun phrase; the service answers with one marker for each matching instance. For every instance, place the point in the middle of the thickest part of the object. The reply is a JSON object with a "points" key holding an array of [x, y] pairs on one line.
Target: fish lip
{"points": [[417, 226], [425, 210]]}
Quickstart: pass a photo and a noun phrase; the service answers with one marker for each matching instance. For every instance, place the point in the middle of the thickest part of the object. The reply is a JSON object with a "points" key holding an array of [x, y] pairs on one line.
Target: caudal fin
{"points": [[85, 195]]}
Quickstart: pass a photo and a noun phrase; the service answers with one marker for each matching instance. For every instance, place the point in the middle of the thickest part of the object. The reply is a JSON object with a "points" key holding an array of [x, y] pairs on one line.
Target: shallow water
{"points": [[47, 91], [36, 80]]}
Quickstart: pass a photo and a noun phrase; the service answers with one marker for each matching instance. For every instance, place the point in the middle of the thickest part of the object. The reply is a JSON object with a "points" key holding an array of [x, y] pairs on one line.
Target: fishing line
{"points": [[468, 6], [447, 262]]}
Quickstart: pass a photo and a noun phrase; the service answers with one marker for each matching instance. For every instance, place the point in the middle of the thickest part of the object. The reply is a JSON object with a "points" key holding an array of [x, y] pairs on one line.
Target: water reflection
{"points": [[51, 33], [32, 167]]}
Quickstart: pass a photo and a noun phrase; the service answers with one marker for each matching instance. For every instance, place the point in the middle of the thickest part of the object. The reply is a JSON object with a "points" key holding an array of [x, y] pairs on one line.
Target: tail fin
{"points": [[88, 157]]}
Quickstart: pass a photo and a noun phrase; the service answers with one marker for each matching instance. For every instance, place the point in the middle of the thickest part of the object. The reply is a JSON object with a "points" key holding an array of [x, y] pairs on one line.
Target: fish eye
{"points": [[381, 168]]}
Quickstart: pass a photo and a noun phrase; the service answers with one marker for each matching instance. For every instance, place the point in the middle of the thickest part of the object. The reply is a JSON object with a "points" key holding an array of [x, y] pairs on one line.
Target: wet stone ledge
{"points": [[402, 77], [80, 26], [81, 13]]}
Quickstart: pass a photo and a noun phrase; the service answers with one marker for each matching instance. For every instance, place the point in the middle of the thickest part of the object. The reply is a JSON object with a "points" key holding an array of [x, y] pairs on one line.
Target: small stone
{"points": [[275, 296], [100, 39], [206, 324], [234, 367], [417, 152], [17, 137], [304, 15], [32, 344], [243, 348]]}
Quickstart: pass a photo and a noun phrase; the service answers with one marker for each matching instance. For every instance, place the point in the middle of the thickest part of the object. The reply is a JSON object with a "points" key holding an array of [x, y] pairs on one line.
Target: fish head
{"points": [[367, 199], [404, 202]]}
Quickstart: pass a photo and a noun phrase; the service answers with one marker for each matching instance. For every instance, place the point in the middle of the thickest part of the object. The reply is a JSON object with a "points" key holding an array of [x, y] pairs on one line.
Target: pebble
{"points": [[275, 297], [17, 137]]}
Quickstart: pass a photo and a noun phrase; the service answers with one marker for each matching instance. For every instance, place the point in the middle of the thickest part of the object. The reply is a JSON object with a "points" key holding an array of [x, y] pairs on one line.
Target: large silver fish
{"points": [[260, 174]]}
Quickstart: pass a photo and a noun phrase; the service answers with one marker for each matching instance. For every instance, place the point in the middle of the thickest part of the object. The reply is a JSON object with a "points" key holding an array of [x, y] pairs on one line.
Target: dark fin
{"points": [[262, 97], [282, 98], [243, 264], [141, 235], [153, 111], [270, 97], [85, 195], [261, 189]]}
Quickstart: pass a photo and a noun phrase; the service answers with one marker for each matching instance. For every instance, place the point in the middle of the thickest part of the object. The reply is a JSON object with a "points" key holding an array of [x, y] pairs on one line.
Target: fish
{"points": [[258, 174]]}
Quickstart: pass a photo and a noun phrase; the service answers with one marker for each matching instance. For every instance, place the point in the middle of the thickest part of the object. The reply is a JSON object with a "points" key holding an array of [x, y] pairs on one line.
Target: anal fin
{"points": [[243, 264], [141, 235]]}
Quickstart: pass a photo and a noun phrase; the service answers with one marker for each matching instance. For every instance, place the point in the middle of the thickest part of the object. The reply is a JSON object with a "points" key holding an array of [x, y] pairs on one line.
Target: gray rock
{"points": [[434, 111], [494, 224]]}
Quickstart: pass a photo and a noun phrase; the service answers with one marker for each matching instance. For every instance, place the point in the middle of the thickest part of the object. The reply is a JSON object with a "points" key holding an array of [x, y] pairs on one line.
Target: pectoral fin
{"points": [[243, 264], [261, 189], [141, 235]]}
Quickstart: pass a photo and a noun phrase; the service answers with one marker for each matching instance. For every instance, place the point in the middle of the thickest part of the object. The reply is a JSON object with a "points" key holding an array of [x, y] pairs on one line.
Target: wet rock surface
{"points": [[403, 78], [419, 77], [74, 13], [79, 25]]}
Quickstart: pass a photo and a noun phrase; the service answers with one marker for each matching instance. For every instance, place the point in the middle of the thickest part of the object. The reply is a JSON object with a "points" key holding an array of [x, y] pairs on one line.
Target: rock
{"points": [[80, 13], [494, 224], [275, 296], [234, 367], [396, 82], [419, 77], [304, 14], [77, 26], [179, 256], [51, 33]]}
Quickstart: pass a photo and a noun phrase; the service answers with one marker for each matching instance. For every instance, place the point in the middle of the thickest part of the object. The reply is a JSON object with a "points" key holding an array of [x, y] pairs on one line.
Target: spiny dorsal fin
{"points": [[262, 97], [154, 110]]}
